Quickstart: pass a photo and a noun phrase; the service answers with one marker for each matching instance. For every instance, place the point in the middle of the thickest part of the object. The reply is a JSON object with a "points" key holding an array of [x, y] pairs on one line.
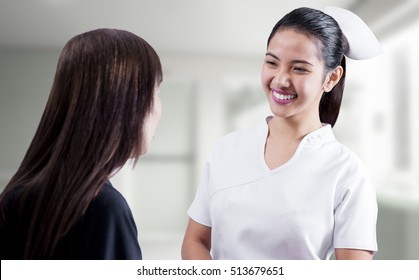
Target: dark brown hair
{"points": [[325, 31], [92, 124]]}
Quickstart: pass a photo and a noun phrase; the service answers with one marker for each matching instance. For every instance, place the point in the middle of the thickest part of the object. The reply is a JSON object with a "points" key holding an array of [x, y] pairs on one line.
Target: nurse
{"points": [[288, 189]]}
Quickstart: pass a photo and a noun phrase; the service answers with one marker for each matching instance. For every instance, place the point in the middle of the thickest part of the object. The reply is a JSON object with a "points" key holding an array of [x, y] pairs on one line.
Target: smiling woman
{"points": [[288, 189], [293, 59]]}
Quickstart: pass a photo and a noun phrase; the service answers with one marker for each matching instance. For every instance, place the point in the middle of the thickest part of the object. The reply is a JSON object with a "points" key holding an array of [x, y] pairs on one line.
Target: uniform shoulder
{"points": [[350, 163], [240, 137]]}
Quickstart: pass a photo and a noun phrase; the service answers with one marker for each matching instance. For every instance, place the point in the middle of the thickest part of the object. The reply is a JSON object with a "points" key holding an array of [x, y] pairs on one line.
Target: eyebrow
{"points": [[293, 61]]}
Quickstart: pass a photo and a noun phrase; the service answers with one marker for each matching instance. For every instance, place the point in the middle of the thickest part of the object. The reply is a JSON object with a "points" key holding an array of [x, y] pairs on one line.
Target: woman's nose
{"points": [[282, 79]]}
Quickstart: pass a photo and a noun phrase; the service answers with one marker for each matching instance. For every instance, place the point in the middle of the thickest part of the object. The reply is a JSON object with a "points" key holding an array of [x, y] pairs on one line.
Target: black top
{"points": [[106, 231]]}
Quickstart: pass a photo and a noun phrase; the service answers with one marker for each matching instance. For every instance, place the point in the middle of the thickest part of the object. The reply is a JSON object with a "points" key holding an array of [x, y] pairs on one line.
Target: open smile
{"points": [[282, 97]]}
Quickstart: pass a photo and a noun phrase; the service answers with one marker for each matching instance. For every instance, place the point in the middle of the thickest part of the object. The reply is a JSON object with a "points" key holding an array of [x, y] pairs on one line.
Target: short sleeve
{"points": [[199, 209], [356, 213]]}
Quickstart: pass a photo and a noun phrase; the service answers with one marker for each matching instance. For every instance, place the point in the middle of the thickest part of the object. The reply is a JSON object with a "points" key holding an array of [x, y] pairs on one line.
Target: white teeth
{"points": [[284, 97]]}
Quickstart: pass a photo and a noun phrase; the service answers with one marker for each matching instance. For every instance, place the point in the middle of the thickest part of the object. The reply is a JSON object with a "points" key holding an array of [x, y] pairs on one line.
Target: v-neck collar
{"points": [[316, 137]]}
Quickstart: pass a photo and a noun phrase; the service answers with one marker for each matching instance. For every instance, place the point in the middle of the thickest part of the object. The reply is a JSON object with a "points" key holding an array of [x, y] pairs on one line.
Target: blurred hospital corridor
{"points": [[212, 54]]}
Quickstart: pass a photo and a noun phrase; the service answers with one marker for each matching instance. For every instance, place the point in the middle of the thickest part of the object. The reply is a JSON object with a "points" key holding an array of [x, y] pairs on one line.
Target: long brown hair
{"points": [[92, 124], [332, 43]]}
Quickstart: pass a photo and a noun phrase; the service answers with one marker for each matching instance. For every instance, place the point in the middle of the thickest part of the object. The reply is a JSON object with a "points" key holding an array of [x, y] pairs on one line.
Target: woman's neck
{"points": [[292, 129], [283, 139]]}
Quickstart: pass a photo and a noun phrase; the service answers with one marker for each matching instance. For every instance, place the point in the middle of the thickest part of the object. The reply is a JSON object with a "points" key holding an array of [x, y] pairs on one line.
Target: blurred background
{"points": [[212, 53]]}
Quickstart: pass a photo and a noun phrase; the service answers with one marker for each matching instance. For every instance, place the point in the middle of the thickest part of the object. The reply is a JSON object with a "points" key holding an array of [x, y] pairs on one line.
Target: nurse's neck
{"points": [[292, 128]]}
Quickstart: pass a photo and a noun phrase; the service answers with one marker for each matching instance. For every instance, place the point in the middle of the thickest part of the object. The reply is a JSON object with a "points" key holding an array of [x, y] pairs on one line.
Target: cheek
{"points": [[157, 109], [155, 115], [310, 88], [265, 78]]}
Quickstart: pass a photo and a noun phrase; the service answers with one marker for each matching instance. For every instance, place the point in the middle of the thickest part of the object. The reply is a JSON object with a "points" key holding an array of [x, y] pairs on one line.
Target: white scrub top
{"points": [[319, 200]]}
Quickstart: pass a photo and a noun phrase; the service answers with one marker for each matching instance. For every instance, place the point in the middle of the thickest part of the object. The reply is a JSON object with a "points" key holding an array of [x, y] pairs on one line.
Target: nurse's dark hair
{"points": [[92, 124], [332, 45]]}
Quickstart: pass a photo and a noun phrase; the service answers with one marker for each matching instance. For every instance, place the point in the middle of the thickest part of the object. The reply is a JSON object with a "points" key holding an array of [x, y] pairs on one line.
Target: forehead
{"points": [[288, 43]]}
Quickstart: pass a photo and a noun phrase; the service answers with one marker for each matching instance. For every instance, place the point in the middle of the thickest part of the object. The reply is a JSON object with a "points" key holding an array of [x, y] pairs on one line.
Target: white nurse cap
{"points": [[362, 42]]}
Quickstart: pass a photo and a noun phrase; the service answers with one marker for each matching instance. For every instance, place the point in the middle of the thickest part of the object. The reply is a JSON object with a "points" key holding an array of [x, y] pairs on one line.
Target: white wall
{"points": [[25, 81]]}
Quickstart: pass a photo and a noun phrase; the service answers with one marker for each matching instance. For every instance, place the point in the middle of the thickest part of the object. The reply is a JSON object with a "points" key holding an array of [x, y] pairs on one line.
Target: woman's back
{"points": [[106, 231]]}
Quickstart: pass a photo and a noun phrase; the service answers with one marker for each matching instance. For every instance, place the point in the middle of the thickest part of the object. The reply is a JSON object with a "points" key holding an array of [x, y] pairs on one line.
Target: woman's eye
{"points": [[269, 62], [299, 69]]}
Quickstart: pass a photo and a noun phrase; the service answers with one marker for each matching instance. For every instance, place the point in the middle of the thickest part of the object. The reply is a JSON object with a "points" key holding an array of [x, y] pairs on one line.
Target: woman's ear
{"points": [[332, 78]]}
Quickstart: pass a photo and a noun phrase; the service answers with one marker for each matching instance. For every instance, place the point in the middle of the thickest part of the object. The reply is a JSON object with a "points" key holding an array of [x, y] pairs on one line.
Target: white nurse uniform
{"points": [[319, 200]]}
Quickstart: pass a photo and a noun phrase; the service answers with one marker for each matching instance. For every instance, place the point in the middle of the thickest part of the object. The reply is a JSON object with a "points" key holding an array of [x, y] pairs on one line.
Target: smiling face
{"points": [[293, 76]]}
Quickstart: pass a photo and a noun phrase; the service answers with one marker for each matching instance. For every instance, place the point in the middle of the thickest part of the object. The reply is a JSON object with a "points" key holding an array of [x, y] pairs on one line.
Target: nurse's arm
{"points": [[197, 242], [352, 254]]}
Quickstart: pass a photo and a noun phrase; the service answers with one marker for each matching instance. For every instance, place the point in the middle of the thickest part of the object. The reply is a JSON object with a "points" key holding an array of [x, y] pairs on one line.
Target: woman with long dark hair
{"points": [[102, 111], [288, 189]]}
